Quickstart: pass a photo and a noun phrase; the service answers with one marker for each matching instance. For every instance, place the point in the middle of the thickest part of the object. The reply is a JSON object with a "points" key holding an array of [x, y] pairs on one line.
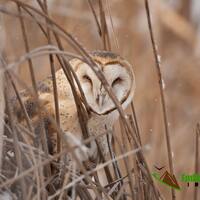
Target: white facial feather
{"points": [[117, 76]]}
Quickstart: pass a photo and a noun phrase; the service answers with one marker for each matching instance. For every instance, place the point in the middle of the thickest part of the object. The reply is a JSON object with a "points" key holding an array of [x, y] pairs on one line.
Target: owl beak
{"points": [[100, 99]]}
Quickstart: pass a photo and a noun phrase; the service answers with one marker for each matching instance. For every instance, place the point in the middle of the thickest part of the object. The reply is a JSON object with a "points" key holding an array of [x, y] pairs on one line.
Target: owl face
{"points": [[118, 74]]}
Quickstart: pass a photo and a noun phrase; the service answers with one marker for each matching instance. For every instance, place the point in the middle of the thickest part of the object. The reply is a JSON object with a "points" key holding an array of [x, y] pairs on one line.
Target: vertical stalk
{"points": [[2, 100], [197, 159], [159, 74]]}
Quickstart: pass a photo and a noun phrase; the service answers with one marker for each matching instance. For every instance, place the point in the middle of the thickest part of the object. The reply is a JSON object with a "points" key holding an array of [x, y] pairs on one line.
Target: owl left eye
{"points": [[117, 81]]}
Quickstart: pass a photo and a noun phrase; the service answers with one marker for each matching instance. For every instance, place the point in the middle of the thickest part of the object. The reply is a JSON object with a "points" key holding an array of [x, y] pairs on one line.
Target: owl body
{"points": [[119, 75]]}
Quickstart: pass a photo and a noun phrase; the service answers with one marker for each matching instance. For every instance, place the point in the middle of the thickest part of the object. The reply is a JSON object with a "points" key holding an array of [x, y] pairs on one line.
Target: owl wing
{"points": [[63, 86], [67, 109]]}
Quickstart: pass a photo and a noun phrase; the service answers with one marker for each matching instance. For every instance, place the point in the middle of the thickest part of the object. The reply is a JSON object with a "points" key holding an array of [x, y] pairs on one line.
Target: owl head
{"points": [[118, 73]]}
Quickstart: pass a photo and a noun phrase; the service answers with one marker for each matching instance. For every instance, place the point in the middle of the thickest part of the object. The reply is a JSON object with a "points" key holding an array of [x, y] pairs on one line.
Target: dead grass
{"points": [[166, 108]]}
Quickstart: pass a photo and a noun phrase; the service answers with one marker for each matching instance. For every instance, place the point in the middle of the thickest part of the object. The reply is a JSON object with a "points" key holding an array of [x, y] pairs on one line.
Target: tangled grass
{"points": [[26, 170]]}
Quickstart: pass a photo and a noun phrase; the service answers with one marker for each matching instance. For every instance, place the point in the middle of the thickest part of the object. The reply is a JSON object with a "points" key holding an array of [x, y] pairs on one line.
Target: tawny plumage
{"points": [[117, 71]]}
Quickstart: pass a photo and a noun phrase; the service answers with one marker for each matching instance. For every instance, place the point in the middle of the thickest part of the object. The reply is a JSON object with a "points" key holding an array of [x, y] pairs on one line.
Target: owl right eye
{"points": [[87, 78]]}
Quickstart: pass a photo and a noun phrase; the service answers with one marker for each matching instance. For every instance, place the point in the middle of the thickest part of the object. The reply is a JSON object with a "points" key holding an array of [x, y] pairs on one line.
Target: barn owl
{"points": [[117, 71]]}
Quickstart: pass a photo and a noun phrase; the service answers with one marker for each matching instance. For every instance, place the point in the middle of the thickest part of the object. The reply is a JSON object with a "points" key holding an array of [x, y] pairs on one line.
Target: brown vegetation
{"points": [[164, 53]]}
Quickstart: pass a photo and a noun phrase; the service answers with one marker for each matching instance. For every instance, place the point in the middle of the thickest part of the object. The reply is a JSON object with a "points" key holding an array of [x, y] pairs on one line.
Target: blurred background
{"points": [[176, 24]]}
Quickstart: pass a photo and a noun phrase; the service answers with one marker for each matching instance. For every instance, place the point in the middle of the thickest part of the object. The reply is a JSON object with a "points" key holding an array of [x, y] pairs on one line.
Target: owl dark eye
{"points": [[117, 81], [87, 78]]}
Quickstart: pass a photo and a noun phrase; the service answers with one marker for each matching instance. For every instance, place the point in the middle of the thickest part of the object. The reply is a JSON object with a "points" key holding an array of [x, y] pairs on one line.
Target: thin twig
{"points": [[95, 17], [159, 74], [55, 91], [197, 158], [16, 145]]}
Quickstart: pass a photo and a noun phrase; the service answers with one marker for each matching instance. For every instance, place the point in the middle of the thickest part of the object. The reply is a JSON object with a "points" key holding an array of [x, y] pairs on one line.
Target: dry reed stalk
{"points": [[196, 158], [73, 87], [163, 103], [80, 164], [112, 26], [18, 154], [2, 101], [95, 17], [104, 27], [52, 30], [44, 144], [137, 140], [2, 108], [78, 48], [100, 166], [52, 65], [28, 121], [124, 148]]}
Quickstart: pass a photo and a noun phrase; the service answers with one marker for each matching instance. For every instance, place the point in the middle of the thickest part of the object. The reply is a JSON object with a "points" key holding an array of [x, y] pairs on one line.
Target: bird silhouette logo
{"points": [[166, 178], [159, 168]]}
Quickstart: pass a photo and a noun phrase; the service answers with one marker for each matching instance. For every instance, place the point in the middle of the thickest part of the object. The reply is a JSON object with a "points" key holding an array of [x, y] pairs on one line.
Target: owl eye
{"points": [[87, 78], [117, 81]]}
